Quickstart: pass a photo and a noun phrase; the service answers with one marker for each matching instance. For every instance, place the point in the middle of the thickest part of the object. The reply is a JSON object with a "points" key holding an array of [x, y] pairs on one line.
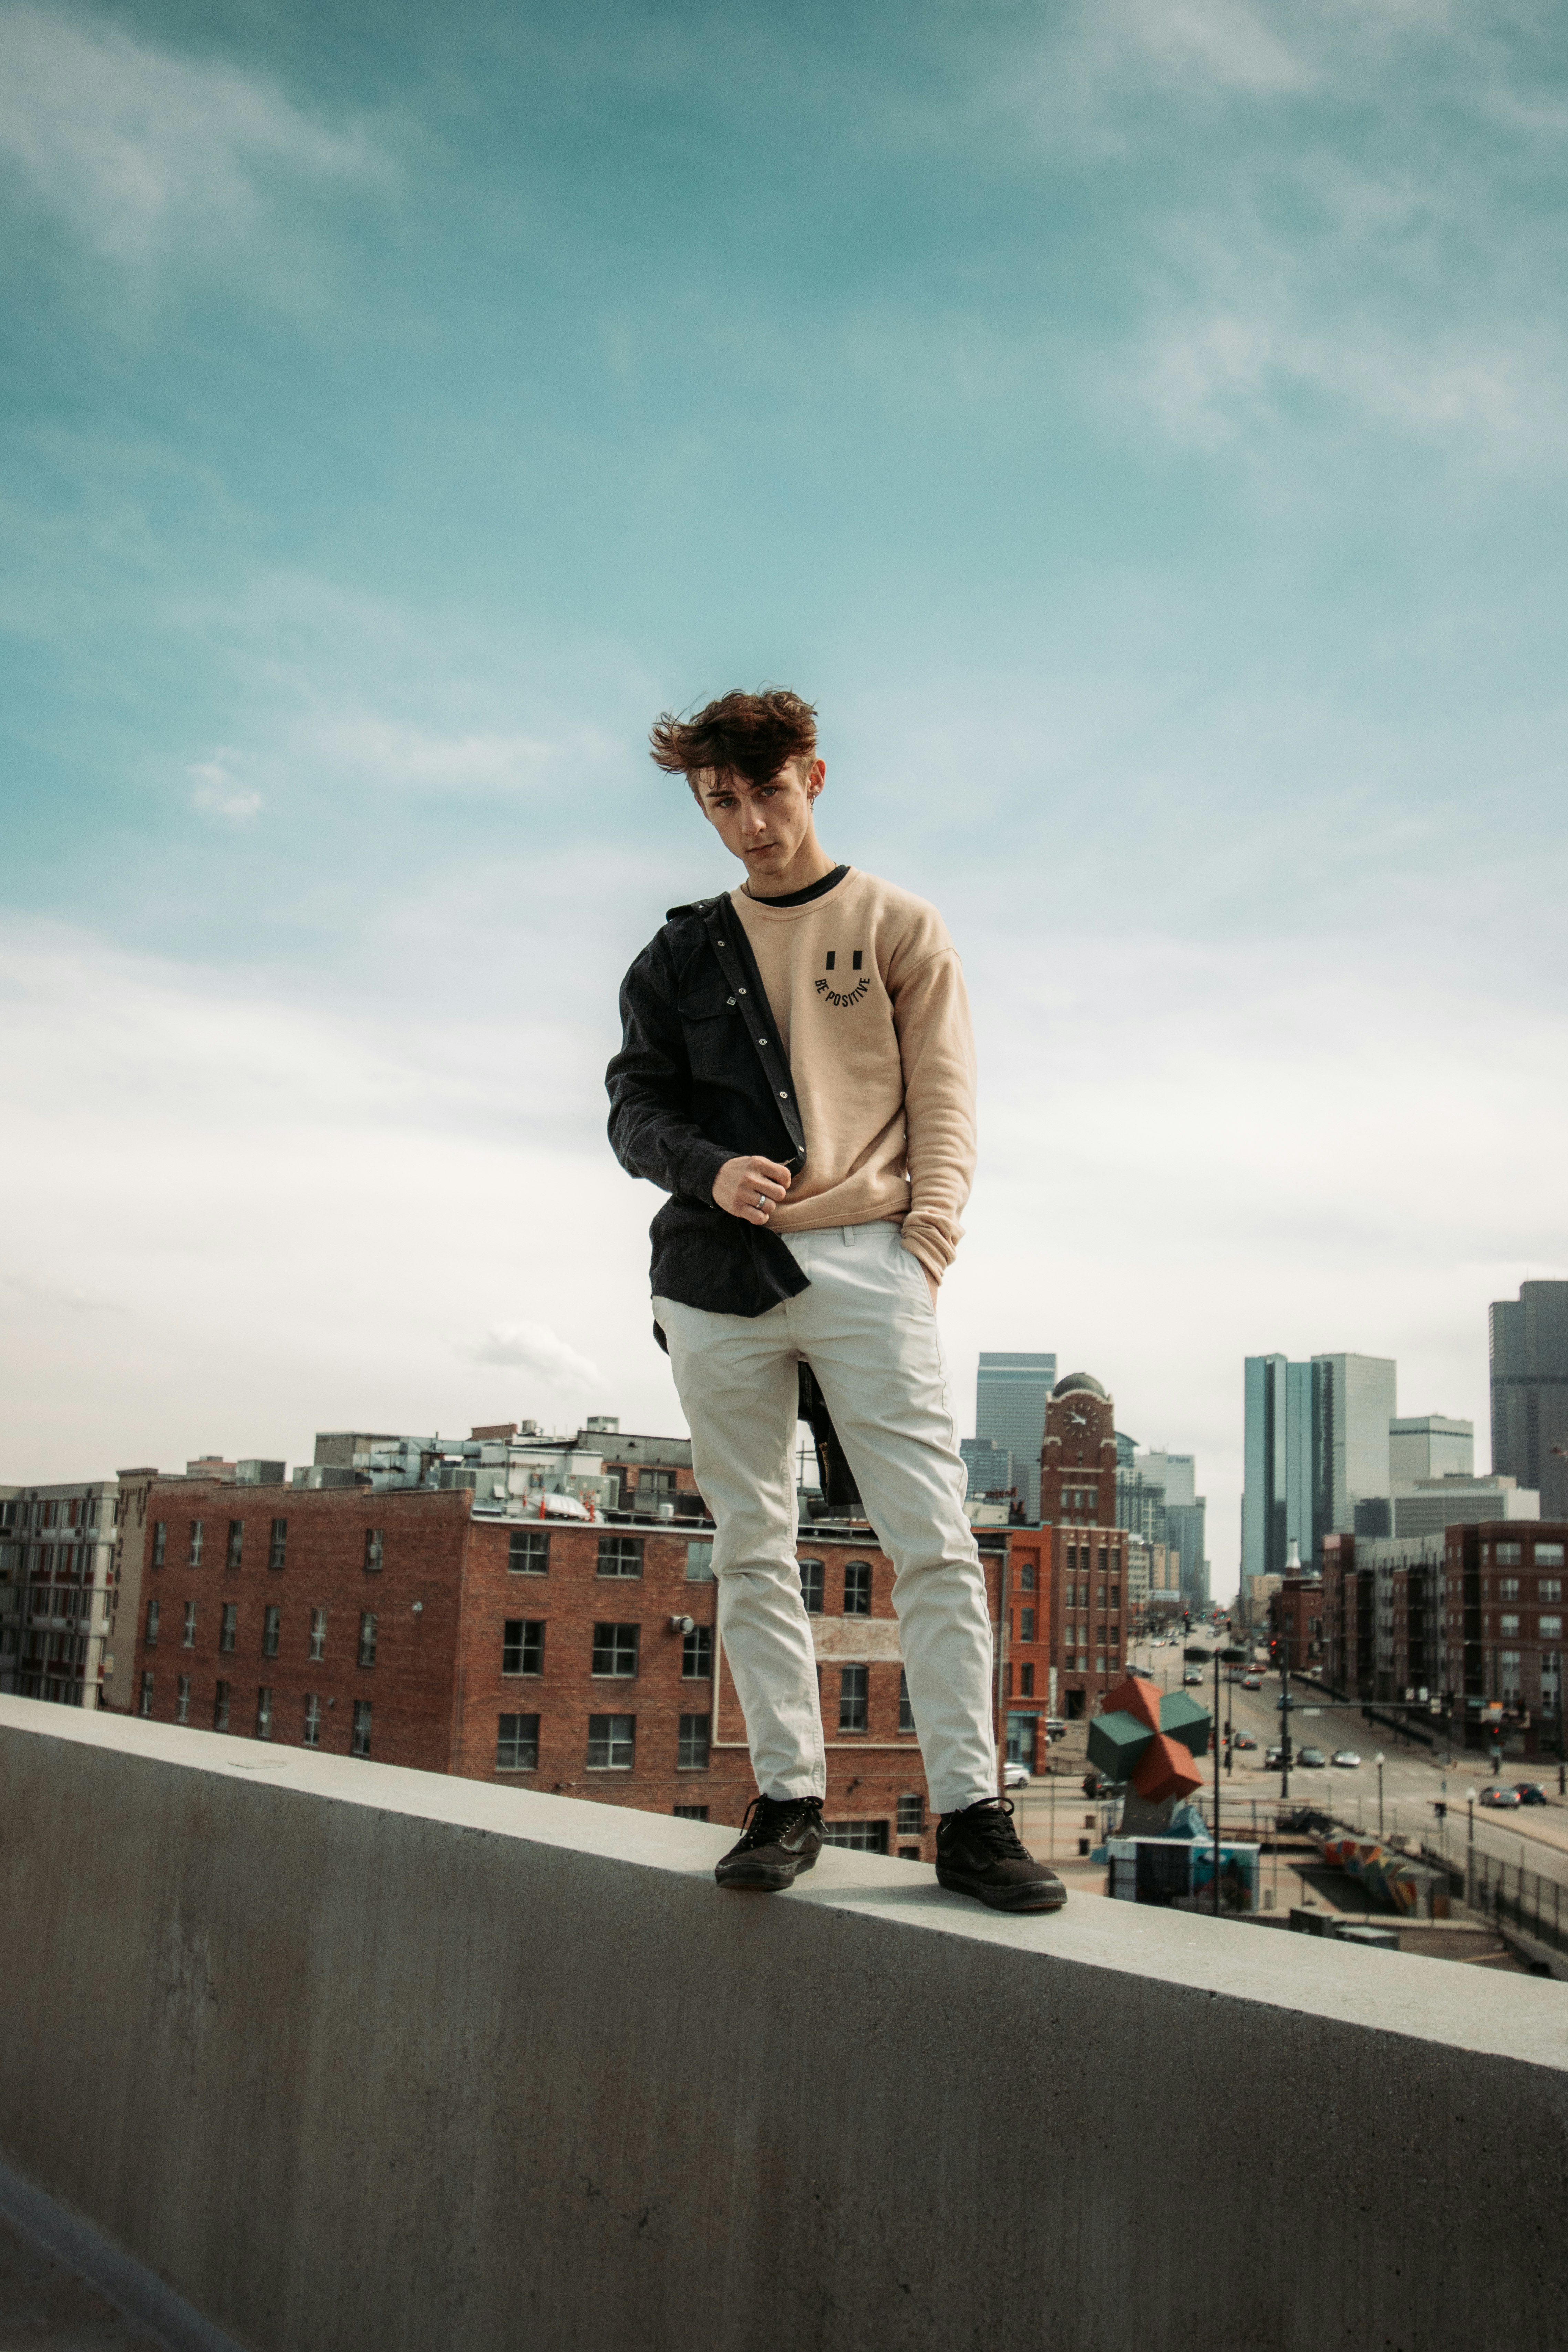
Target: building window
{"points": [[1099, 1665], [611, 1743], [312, 1720], [1026, 1625], [235, 1542], [1023, 1731], [1551, 1628], [359, 1744], [1026, 1576], [906, 1711], [853, 1683], [1548, 1555], [264, 1713], [1025, 1682], [858, 1588], [696, 1654], [318, 1633], [522, 1646], [159, 1542], [188, 1638], [367, 1638], [372, 1542], [220, 1707], [614, 1649], [861, 1837], [811, 1574], [690, 1813], [151, 1624], [228, 1626], [1510, 1555], [1508, 1588], [699, 1571], [528, 1552], [620, 1555], [911, 1817], [195, 1550], [517, 1743], [144, 1704], [691, 1746], [1507, 1624], [277, 1548], [1104, 1558], [183, 1699], [271, 1622], [1116, 1596], [1551, 1588]]}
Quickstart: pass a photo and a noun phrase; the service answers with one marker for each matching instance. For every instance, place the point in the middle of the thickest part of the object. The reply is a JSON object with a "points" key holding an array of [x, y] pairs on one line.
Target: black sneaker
{"points": [[979, 1852], [780, 1837]]}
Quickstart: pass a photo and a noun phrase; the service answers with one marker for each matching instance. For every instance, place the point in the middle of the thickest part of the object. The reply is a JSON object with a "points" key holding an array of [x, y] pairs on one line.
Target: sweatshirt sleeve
{"points": [[936, 1045]]}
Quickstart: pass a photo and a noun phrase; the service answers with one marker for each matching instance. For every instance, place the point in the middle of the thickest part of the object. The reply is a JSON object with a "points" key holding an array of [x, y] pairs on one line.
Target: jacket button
{"points": [[782, 1096], [743, 991], [728, 1000]]}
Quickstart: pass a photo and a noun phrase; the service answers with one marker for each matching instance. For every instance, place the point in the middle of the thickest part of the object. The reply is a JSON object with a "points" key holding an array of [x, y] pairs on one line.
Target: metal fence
{"points": [[1509, 1895]]}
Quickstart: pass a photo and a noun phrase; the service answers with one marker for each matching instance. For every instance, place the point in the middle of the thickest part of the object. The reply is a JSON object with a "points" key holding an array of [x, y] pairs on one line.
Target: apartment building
{"points": [[57, 1591], [526, 1635]]}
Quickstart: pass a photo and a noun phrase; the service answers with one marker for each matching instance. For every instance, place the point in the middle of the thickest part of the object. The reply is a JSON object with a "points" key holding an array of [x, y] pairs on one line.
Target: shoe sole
{"points": [[764, 1878], [1021, 1898]]}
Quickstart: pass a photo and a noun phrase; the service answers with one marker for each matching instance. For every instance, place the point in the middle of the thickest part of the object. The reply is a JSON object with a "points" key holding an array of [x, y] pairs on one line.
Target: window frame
{"points": [[518, 1740], [857, 1588], [854, 1699], [619, 1558], [528, 1641], [610, 1739], [697, 1645], [360, 1734], [528, 1551], [609, 1640], [693, 1743], [369, 1635]]}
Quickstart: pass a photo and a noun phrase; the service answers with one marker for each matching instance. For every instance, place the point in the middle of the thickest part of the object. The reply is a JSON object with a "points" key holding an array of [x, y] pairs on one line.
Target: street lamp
{"points": [[1377, 1759], [1231, 1657]]}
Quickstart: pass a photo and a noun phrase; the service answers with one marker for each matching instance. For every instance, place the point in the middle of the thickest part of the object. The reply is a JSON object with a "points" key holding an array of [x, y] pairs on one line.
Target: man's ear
{"points": [[815, 777]]}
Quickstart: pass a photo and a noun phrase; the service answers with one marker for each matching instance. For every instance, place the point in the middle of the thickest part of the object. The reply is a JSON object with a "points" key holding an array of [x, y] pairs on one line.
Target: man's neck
{"points": [[808, 865]]}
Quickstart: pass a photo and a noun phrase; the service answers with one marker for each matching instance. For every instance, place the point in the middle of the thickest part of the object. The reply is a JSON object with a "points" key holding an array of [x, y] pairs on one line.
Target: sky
{"points": [[1139, 426]]}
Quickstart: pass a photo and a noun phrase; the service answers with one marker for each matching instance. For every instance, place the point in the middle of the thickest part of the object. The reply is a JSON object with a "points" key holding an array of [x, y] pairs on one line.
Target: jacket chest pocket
{"points": [[709, 1018]]}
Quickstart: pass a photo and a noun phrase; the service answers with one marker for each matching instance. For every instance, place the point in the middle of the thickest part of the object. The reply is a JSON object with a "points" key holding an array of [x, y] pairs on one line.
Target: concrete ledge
{"points": [[356, 2059]]}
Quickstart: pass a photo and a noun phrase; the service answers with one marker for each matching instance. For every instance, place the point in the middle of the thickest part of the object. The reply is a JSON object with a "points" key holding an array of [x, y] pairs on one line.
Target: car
{"points": [[1252, 1682], [1016, 1776], [1311, 1760], [1193, 1674], [1054, 1727], [1499, 1799], [1282, 1703], [1095, 1784], [1244, 1739], [1273, 1760], [1531, 1792], [1346, 1757]]}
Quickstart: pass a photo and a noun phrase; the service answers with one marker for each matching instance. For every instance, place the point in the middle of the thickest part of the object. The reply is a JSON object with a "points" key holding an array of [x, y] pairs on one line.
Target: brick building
{"points": [[460, 1628], [1084, 1552], [1468, 1621]]}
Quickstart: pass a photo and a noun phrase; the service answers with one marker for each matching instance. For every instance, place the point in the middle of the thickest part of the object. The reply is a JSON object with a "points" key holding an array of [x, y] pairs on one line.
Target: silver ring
{"points": [[762, 1200]]}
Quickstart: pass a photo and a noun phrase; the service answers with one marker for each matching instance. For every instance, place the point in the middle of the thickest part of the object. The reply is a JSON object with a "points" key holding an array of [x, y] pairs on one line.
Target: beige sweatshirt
{"points": [[868, 1001]]}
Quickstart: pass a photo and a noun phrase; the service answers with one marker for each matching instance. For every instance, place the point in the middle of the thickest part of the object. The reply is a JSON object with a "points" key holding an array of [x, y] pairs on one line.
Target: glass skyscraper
{"points": [[1315, 1447], [1530, 1391], [1010, 1397]]}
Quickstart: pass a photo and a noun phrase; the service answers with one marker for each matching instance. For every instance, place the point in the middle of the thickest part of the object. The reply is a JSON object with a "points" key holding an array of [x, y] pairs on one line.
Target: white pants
{"points": [[868, 1328]]}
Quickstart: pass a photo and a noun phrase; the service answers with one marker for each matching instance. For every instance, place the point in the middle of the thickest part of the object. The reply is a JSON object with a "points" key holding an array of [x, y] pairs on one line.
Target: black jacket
{"points": [[699, 1080]]}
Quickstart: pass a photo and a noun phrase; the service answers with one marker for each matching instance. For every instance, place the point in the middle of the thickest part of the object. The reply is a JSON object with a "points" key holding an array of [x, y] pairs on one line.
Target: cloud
{"points": [[133, 146], [535, 1348], [217, 793], [413, 758]]}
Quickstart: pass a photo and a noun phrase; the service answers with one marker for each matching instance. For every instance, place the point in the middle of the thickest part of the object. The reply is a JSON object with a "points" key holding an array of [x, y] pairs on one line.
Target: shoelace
{"points": [[766, 1817], [994, 1825]]}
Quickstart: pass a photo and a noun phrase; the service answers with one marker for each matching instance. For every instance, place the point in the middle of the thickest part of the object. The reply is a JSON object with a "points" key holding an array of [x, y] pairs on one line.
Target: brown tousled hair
{"points": [[750, 735]]}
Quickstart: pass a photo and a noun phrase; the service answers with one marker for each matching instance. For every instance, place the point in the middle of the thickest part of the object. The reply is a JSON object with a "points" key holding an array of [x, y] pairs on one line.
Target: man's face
{"points": [[761, 824]]}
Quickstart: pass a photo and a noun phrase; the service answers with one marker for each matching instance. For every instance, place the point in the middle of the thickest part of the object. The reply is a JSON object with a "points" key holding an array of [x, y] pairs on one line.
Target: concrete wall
{"points": [[359, 2059]]}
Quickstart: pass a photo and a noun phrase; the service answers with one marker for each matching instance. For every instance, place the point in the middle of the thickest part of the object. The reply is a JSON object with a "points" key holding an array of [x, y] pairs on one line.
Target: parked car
{"points": [[1095, 1784], [1015, 1776], [1500, 1800], [1054, 1727], [1252, 1682], [1244, 1739], [1273, 1758], [1346, 1757], [1531, 1792], [1193, 1674], [1311, 1760]]}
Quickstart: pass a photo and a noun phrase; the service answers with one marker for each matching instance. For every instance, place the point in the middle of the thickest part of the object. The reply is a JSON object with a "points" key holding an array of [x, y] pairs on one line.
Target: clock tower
{"points": [[1078, 1460]]}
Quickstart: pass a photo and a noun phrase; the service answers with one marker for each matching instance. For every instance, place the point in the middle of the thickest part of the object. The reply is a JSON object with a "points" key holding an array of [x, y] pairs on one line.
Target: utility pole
{"points": [[1379, 1762]]}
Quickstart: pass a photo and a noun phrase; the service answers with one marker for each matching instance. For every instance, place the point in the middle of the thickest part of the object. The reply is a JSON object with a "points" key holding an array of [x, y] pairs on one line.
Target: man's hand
{"points": [[751, 1189]]}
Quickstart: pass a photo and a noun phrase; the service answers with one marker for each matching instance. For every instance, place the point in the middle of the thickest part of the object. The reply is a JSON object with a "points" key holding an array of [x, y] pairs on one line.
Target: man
{"points": [[798, 1071]]}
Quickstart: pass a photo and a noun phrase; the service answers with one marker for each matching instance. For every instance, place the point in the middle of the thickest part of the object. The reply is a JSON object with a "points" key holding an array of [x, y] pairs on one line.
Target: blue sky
{"points": [[1142, 426]]}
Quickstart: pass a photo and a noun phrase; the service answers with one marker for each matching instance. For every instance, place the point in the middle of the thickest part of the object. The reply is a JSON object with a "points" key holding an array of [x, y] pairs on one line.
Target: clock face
{"points": [[1078, 1418]]}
